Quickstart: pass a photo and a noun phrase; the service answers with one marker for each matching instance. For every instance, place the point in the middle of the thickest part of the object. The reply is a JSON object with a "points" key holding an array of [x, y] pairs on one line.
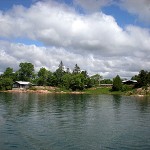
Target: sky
{"points": [[106, 37]]}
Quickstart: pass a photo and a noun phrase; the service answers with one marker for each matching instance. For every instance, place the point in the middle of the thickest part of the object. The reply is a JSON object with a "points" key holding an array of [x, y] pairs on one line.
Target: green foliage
{"points": [[66, 81], [8, 73], [117, 84], [77, 80], [134, 77], [6, 84], [98, 91], [95, 79], [50, 79], [42, 76], [143, 79], [106, 81], [88, 83], [26, 71], [85, 74], [6, 79], [76, 69], [126, 88], [59, 74], [16, 76]]}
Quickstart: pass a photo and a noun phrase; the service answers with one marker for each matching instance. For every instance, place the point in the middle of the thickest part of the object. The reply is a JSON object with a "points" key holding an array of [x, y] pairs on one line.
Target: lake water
{"points": [[74, 122]]}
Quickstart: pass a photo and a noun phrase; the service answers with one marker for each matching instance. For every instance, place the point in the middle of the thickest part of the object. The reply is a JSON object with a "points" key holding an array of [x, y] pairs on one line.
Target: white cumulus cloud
{"points": [[94, 41]]}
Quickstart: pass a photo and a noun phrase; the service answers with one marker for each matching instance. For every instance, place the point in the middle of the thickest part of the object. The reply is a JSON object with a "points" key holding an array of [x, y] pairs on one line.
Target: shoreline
{"points": [[62, 92], [42, 92], [92, 91]]}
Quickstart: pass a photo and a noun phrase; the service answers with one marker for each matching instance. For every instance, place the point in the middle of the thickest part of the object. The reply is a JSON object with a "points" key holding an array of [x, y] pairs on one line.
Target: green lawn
{"points": [[101, 90]]}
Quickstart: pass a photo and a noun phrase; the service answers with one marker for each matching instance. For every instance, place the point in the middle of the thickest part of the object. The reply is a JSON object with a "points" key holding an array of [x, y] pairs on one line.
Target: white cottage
{"points": [[130, 82], [21, 85]]}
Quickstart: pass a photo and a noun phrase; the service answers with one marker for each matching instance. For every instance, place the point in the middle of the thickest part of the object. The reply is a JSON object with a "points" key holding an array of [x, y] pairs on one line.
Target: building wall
{"points": [[20, 86]]}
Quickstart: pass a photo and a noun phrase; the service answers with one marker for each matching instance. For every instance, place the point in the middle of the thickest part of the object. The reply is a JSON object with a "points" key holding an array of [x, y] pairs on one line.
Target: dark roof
{"points": [[129, 81]]}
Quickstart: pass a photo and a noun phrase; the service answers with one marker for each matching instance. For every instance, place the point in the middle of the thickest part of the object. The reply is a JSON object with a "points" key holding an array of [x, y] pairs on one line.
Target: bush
{"points": [[126, 88], [117, 84], [6, 84]]}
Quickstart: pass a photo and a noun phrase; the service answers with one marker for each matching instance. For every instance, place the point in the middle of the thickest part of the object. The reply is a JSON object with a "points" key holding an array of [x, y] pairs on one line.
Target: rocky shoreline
{"points": [[42, 92], [140, 92]]}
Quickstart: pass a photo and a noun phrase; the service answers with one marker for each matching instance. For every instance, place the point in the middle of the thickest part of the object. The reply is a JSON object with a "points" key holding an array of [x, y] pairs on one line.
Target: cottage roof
{"points": [[133, 81], [23, 82]]}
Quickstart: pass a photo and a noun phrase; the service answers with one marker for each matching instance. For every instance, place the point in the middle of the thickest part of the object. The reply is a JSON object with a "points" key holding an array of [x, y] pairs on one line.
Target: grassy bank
{"points": [[101, 90], [107, 90], [94, 91]]}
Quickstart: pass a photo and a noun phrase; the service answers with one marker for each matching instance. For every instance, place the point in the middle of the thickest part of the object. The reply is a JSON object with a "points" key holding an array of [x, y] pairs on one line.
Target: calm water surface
{"points": [[74, 122]]}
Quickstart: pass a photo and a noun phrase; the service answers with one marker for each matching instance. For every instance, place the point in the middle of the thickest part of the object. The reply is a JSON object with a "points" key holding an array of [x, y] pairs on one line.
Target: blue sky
{"points": [[8, 4], [122, 17], [110, 36]]}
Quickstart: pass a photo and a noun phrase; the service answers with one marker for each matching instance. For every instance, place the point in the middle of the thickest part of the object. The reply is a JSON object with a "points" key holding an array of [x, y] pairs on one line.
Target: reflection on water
{"points": [[144, 104], [116, 101], [63, 121]]}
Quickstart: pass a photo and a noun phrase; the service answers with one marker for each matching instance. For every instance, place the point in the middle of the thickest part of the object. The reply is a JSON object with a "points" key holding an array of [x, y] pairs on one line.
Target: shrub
{"points": [[117, 84]]}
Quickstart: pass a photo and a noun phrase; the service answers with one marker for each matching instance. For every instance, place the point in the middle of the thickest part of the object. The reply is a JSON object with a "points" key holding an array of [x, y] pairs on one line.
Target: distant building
{"points": [[106, 85], [129, 82], [21, 85]]}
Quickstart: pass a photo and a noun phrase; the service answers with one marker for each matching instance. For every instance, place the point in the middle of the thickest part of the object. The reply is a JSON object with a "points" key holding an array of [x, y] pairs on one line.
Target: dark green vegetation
{"points": [[143, 79], [63, 78], [117, 84], [142, 87], [75, 80]]}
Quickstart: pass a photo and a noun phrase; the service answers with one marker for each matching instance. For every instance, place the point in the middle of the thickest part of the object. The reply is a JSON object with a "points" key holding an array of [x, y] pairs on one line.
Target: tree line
{"points": [[64, 78], [143, 80]]}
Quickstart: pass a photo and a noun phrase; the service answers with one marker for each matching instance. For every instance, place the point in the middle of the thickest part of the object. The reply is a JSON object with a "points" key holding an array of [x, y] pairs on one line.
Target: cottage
{"points": [[129, 82], [21, 85]]}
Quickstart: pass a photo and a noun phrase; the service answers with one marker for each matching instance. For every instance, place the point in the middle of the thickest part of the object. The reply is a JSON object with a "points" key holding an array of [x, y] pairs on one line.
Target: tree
{"points": [[6, 84], [88, 83], [59, 74], [96, 79], [8, 73], [51, 79], [134, 77], [16, 76], [85, 74], [66, 81], [142, 78], [77, 82], [68, 70], [26, 71], [76, 69], [7, 79], [106, 81], [61, 66], [87, 79], [42, 76], [117, 83], [148, 78]]}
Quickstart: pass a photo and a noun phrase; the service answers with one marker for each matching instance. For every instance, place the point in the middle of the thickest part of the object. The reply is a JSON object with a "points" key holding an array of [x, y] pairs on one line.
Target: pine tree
{"points": [[76, 69], [117, 83]]}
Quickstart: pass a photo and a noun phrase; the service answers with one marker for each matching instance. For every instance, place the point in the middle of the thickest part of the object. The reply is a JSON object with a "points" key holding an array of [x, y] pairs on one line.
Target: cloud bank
{"points": [[94, 41]]}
